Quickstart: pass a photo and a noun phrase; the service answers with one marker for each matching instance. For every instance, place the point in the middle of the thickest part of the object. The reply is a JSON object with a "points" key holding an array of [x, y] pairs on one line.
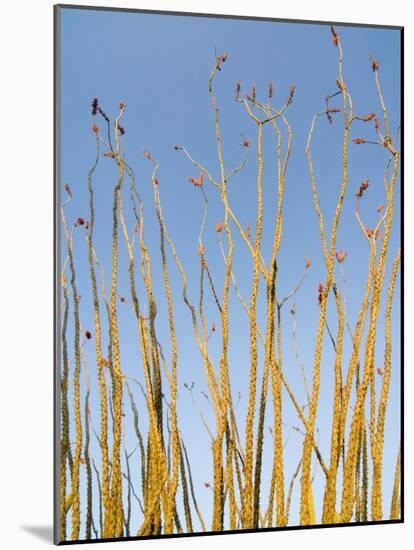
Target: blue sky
{"points": [[159, 66]]}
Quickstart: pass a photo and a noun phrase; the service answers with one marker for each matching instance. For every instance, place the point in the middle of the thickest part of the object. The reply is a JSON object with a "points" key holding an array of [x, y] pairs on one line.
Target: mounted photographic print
{"points": [[228, 339]]}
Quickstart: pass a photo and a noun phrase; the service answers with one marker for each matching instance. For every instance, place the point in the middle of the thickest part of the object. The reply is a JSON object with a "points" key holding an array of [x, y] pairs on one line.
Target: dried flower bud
{"points": [[176, 147], [88, 334], [335, 38], [156, 181], [109, 154], [95, 106], [219, 227], [359, 141], [293, 310], [270, 91], [213, 328], [291, 94], [340, 255], [374, 64], [79, 221], [207, 485], [95, 128], [82, 460], [221, 59], [334, 110], [253, 95], [380, 208], [380, 371], [122, 106], [238, 88], [122, 299], [147, 154], [377, 125], [248, 231], [68, 190], [121, 130], [307, 263]]}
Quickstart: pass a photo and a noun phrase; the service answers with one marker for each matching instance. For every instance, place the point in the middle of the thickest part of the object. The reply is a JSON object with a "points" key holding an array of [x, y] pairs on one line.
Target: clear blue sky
{"points": [[159, 66]]}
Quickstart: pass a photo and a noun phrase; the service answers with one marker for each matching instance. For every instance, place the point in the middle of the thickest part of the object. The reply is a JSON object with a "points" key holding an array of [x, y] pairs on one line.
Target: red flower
{"points": [[359, 141], [340, 255], [197, 182], [367, 118], [362, 188]]}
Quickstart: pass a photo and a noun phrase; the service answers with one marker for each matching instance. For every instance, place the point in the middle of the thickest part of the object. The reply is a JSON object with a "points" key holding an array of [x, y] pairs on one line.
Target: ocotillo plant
{"points": [[144, 484]]}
